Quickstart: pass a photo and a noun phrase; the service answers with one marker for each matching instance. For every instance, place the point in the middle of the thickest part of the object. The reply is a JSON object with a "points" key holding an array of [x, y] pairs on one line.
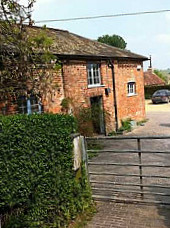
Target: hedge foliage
{"points": [[149, 90], [38, 187]]}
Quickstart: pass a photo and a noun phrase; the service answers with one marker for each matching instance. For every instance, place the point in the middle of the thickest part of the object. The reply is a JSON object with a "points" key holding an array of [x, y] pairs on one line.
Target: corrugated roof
{"points": [[70, 44], [152, 79]]}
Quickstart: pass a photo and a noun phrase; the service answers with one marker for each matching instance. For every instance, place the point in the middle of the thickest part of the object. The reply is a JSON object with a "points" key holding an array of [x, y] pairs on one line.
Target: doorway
{"points": [[97, 114]]}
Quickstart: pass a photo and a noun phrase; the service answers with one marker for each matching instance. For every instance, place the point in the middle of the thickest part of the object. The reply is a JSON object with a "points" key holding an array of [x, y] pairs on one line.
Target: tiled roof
{"points": [[70, 44], [152, 79]]}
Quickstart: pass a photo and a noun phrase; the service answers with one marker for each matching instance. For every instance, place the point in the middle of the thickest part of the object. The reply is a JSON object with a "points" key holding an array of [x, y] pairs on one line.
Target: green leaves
{"points": [[26, 58], [114, 40], [38, 186]]}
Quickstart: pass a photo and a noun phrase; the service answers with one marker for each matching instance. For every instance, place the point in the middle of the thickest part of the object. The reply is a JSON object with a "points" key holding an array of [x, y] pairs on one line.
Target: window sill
{"points": [[94, 86], [131, 95]]}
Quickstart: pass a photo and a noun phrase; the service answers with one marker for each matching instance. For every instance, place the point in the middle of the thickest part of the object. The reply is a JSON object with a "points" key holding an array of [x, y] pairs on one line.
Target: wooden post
{"points": [[140, 167], [85, 157]]}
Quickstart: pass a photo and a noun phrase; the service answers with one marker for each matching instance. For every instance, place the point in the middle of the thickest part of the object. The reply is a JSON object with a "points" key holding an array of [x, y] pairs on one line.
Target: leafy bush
{"points": [[149, 90], [126, 125], [38, 187], [85, 121]]}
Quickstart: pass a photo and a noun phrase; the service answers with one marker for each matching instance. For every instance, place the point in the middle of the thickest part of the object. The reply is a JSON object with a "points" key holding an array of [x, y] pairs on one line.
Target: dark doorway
{"points": [[97, 114]]}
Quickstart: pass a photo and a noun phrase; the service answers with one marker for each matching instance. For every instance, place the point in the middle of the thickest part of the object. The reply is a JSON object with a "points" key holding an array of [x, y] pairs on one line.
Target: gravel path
{"points": [[158, 116], [120, 215]]}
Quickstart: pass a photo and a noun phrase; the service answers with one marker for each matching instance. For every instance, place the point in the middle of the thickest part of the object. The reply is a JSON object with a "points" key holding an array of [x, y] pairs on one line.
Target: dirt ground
{"points": [[163, 107]]}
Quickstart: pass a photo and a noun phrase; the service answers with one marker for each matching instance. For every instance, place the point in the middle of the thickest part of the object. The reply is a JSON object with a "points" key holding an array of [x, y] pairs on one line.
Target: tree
{"points": [[24, 58], [161, 75], [114, 40]]}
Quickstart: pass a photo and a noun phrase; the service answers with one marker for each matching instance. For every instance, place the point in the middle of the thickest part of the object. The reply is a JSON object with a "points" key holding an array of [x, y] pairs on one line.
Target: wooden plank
{"points": [[129, 151], [129, 137], [130, 184], [131, 191], [127, 175], [116, 199], [128, 164]]}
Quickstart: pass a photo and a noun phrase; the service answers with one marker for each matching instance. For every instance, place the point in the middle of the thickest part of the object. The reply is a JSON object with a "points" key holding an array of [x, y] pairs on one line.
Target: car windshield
{"points": [[160, 93]]}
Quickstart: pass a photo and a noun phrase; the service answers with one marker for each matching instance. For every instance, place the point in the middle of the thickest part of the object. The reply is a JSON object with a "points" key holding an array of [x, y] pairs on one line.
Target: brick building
{"points": [[92, 73], [151, 79]]}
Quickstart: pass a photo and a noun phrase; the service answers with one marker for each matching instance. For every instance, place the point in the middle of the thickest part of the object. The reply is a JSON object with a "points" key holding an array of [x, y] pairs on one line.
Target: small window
{"points": [[94, 77], [29, 105], [131, 86]]}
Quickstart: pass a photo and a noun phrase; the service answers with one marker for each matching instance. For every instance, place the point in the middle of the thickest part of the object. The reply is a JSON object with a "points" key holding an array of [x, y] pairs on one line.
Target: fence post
{"points": [[85, 156], [140, 167]]}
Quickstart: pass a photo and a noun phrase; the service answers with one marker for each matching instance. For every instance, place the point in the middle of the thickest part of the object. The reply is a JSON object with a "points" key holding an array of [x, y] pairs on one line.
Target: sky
{"points": [[145, 34]]}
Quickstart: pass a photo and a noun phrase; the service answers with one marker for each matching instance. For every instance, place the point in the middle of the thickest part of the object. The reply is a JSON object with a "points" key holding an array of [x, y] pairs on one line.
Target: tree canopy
{"points": [[161, 75], [23, 68], [114, 40]]}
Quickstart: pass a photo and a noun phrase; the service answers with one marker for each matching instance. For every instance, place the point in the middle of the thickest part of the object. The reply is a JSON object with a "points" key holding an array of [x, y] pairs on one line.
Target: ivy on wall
{"points": [[38, 187]]}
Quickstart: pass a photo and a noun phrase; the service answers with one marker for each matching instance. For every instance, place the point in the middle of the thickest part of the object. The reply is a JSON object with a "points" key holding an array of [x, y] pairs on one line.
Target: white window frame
{"points": [[28, 108], [131, 88], [91, 75]]}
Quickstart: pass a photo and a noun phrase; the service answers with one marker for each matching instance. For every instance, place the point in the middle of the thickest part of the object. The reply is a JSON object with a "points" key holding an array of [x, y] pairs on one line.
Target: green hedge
{"points": [[149, 90], [38, 187]]}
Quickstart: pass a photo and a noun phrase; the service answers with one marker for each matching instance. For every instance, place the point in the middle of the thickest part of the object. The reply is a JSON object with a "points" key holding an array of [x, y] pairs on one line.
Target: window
{"points": [[29, 105], [131, 88], [94, 78]]}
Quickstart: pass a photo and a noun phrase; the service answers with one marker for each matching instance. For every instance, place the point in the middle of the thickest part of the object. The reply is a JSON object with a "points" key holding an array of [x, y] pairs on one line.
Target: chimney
{"points": [[150, 70]]}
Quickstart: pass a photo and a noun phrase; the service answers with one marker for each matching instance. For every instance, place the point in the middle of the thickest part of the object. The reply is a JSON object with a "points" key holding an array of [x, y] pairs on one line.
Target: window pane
{"points": [[131, 87], [93, 74], [35, 108], [22, 105], [29, 105], [89, 76]]}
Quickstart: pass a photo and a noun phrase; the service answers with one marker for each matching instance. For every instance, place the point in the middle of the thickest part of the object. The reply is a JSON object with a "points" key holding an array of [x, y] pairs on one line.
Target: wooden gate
{"points": [[130, 169]]}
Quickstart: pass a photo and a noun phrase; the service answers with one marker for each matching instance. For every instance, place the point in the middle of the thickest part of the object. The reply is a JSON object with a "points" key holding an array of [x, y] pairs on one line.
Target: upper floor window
{"points": [[94, 77], [131, 86], [29, 105]]}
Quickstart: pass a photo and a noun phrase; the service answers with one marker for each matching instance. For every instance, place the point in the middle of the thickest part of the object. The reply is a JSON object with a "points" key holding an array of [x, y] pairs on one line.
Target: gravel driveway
{"points": [[158, 116], [129, 215]]}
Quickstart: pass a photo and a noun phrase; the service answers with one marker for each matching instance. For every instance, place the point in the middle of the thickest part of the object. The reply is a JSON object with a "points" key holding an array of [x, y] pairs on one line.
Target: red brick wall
{"points": [[72, 83], [52, 95], [53, 98], [129, 106], [76, 87]]}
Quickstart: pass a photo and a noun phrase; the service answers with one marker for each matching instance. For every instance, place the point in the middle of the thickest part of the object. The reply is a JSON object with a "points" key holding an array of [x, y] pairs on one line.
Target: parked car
{"points": [[161, 96]]}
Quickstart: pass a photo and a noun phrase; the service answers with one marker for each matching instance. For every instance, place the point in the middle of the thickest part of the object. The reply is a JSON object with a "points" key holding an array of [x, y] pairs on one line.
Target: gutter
{"points": [[98, 57], [114, 94]]}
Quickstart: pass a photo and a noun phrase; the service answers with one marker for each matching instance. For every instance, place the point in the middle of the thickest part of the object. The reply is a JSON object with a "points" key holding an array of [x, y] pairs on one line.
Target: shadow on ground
{"points": [[164, 210], [165, 125]]}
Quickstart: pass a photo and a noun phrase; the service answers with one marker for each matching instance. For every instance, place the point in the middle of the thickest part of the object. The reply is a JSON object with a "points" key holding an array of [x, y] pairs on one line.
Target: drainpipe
{"points": [[114, 94]]}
